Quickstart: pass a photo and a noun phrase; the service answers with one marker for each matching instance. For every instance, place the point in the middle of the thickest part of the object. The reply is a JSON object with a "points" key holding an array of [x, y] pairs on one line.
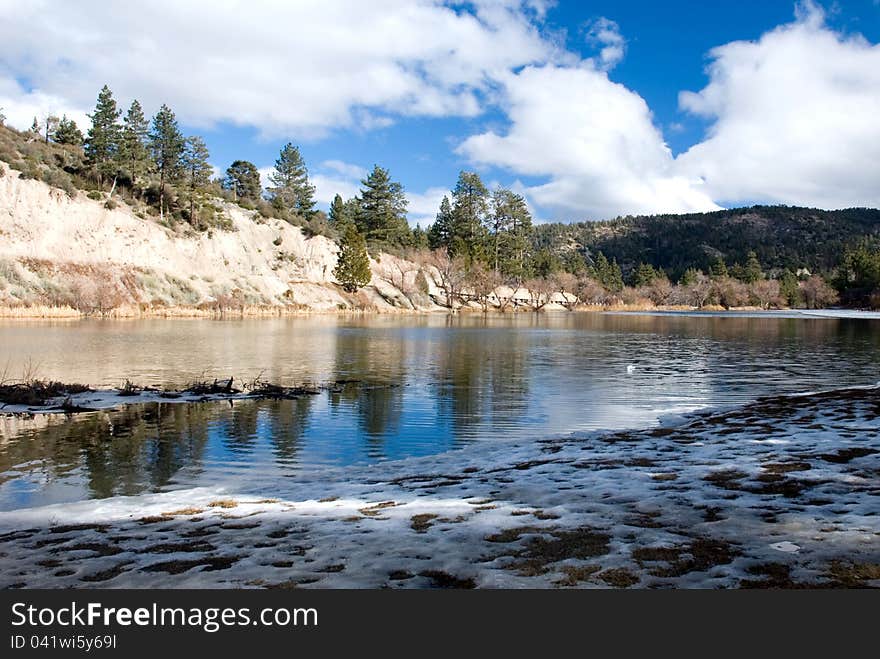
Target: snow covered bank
{"points": [[784, 492]]}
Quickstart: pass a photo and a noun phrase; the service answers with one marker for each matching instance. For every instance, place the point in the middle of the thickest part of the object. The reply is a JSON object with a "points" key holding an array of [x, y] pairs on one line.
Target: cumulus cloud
{"points": [[605, 34], [794, 118], [595, 141], [293, 68]]}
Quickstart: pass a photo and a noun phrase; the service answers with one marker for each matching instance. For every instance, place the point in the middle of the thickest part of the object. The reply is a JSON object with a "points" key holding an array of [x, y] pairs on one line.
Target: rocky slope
{"points": [[75, 254]]}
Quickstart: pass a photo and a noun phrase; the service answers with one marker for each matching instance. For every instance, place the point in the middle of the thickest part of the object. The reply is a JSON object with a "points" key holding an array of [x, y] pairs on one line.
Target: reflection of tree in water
{"points": [[288, 421], [120, 452], [379, 361], [481, 373]]}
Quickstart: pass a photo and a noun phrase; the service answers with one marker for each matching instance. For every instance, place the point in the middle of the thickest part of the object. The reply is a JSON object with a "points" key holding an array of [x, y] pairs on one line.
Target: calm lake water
{"points": [[426, 384]]}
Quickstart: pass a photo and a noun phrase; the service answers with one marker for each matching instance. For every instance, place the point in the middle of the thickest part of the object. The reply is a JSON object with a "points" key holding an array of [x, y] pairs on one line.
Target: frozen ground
{"points": [[784, 492]]}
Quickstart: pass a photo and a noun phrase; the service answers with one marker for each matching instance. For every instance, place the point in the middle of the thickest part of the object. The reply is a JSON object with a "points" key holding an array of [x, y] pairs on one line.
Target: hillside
{"points": [[73, 252], [782, 237]]}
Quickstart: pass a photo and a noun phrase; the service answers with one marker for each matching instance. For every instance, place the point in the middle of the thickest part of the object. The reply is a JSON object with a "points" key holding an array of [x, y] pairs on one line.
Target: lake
{"points": [[421, 385]]}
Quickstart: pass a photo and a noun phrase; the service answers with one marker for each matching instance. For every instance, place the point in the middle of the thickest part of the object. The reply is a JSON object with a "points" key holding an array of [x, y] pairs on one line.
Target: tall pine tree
{"points": [[243, 180], [196, 169], [440, 233], [290, 188], [470, 206], [134, 157], [166, 145], [382, 216], [102, 139]]}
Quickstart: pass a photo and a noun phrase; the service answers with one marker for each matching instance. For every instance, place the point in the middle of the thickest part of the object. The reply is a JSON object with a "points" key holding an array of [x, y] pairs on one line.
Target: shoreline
{"points": [[778, 493], [170, 313]]}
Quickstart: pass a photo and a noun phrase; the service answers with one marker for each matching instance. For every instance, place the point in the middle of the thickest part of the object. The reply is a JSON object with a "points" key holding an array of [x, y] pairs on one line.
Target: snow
{"points": [[722, 498]]}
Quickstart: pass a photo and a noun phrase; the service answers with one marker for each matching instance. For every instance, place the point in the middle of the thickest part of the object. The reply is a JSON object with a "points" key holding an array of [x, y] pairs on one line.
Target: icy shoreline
{"points": [[784, 492]]}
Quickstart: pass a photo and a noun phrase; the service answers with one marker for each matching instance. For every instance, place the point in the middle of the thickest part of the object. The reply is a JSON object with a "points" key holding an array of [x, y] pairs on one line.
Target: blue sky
{"points": [[577, 105]]}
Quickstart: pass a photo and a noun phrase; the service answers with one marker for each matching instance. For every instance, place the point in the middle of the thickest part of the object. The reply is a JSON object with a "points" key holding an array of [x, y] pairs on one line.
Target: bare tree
{"points": [[452, 273], [817, 294], [540, 290], [590, 291], [482, 282], [566, 284], [765, 293]]}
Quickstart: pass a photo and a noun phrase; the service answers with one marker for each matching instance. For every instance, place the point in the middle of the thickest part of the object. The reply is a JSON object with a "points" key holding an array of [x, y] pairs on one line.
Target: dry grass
{"points": [[223, 503]]}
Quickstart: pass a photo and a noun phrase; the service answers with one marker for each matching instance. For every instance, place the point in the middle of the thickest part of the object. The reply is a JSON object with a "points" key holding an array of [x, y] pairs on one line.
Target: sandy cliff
{"points": [[59, 251]]}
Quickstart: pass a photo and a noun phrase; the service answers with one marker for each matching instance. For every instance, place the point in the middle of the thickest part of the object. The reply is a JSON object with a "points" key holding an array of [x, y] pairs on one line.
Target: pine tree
{"points": [[166, 145], [134, 156], [35, 127], [68, 132], [752, 271], [341, 214], [440, 232], [196, 169], [789, 290], [102, 139], [382, 216], [470, 206], [690, 276], [420, 238], [510, 225], [353, 266], [718, 269], [644, 275], [243, 180], [290, 183]]}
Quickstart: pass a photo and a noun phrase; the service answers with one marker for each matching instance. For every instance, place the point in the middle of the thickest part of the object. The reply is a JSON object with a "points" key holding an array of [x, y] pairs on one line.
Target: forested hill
{"points": [[781, 237]]}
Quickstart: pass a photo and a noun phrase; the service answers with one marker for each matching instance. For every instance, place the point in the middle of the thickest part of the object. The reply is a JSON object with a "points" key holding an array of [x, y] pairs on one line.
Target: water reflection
{"points": [[419, 385]]}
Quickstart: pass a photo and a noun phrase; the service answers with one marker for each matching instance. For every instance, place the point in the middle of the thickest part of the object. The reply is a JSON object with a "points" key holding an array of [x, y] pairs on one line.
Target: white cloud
{"points": [[20, 106], [794, 118], [289, 68], [599, 147], [345, 169], [605, 34], [423, 206]]}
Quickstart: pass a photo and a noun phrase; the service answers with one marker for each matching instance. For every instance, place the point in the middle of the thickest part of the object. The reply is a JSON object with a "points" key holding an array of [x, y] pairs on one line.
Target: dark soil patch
{"points": [[576, 574], [845, 455], [400, 575], [699, 555], [440, 579], [421, 523], [106, 575], [175, 547], [619, 577], [209, 563]]}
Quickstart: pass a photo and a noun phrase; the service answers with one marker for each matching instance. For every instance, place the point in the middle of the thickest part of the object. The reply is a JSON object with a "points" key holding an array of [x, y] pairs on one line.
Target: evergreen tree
{"points": [[420, 238], [608, 274], [291, 189], [470, 206], [511, 229], [166, 145], [440, 232], [35, 127], [718, 269], [196, 169], [102, 139], [789, 290], [353, 265], [134, 156], [690, 276], [68, 132], [243, 179], [382, 216], [752, 271], [644, 275]]}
